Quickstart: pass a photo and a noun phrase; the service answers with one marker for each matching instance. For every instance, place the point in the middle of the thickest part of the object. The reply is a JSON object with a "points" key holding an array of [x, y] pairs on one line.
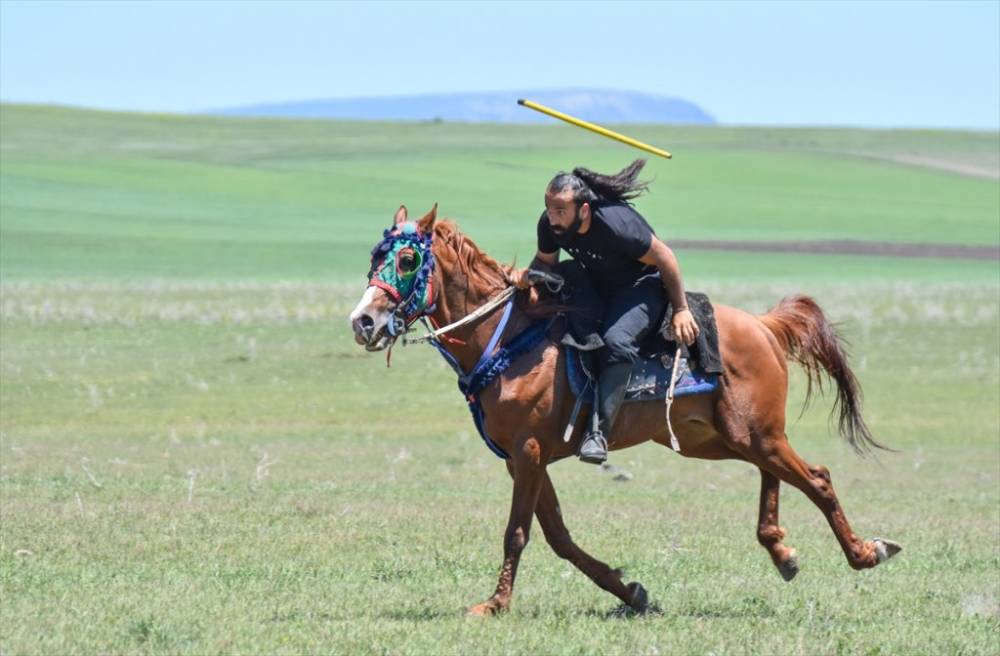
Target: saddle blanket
{"points": [[648, 381]]}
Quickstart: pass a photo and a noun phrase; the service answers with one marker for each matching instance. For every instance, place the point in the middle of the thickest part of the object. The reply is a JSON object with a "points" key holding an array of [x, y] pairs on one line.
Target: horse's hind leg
{"points": [[769, 533], [558, 537], [777, 457]]}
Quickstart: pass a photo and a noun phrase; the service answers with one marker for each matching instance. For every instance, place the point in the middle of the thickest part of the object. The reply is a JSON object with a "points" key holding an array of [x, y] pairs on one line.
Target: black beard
{"points": [[564, 234]]}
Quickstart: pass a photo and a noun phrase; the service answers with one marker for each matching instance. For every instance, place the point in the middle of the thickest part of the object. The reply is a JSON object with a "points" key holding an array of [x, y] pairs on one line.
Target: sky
{"points": [[878, 64]]}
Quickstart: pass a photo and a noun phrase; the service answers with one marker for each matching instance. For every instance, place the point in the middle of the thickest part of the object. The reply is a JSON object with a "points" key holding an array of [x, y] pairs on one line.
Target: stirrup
{"points": [[594, 449]]}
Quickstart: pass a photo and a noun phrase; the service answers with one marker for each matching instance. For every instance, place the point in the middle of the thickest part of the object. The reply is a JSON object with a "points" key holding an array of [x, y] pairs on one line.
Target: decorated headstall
{"points": [[403, 266]]}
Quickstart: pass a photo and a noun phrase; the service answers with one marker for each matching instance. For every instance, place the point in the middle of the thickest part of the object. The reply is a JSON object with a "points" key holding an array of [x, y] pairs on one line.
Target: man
{"points": [[631, 271]]}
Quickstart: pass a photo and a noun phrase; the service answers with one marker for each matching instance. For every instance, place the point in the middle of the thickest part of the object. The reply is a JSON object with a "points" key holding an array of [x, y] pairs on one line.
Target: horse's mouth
{"points": [[379, 341]]}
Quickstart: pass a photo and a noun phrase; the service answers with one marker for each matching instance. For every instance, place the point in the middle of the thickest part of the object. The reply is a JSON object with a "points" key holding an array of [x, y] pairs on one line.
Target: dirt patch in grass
{"points": [[846, 247], [969, 169]]}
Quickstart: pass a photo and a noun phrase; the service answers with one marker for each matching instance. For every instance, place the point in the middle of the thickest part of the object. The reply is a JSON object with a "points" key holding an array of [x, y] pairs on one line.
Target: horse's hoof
{"points": [[885, 549], [790, 567], [638, 597]]}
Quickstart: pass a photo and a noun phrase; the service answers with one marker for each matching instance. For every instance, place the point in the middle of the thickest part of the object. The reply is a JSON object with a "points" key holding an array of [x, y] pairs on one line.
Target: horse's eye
{"points": [[407, 262]]}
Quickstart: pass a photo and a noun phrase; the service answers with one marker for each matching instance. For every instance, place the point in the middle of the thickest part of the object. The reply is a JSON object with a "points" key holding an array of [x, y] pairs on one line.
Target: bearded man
{"points": [[629, 276]]}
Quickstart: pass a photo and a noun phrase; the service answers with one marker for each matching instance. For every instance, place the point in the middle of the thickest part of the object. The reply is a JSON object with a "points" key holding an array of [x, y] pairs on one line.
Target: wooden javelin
{"points": [[593, 128]]}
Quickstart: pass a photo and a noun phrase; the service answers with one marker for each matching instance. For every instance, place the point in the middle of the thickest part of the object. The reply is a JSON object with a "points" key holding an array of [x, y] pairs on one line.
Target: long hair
{"points": [[589, 186]]}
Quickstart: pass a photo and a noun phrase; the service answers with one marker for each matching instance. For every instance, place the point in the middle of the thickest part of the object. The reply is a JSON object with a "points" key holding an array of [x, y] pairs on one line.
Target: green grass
{"points": [[195, 469], [196, 458], [162, 196]]}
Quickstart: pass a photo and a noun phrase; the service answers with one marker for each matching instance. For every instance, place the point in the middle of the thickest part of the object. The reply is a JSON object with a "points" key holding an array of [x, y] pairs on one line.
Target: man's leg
{"points": [[584, 319], [630, 316]]}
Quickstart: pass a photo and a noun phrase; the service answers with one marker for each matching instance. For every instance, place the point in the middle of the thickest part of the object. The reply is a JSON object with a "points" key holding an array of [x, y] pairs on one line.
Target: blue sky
{"points": [[850, 63]]}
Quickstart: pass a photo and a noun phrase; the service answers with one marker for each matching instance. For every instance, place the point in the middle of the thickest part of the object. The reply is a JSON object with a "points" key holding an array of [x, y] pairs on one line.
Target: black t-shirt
{"points": [[611, 248]]}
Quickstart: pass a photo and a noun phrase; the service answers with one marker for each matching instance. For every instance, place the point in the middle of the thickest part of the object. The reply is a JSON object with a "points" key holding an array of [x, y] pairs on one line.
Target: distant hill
{"points": [[493, 107]]}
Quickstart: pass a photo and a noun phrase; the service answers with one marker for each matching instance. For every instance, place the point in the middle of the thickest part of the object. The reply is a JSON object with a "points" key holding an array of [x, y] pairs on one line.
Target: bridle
{"points": [[413, 291], [418, 285]]}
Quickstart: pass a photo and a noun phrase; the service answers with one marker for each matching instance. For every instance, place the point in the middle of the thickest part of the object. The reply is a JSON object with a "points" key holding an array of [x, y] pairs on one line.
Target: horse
{"points": [[429, 268]]}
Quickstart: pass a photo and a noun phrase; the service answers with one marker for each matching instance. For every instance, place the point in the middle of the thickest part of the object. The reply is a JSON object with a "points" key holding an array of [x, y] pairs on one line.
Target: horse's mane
{"points": [[481, 269], [486, 274]]}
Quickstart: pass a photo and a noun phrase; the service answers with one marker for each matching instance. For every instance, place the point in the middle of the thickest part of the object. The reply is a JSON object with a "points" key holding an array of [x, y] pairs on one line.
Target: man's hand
{"points": [[520, 278], [542, 262], [684, 326]]}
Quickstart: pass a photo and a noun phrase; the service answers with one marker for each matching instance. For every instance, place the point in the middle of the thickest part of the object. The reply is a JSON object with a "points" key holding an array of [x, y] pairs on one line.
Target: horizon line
{"points": [[206, 113]]}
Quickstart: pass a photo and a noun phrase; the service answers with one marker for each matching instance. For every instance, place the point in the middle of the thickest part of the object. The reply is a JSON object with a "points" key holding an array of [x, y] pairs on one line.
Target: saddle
{"points": [[698, 370], [666, 369], [649, 379]]}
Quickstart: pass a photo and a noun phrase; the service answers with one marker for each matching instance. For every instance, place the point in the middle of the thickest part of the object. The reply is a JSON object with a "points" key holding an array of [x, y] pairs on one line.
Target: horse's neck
{"points": [[467, 343]]}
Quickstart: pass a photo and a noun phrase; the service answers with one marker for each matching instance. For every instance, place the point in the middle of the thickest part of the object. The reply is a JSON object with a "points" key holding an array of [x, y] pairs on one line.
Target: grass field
{"points": [[196, 458]]}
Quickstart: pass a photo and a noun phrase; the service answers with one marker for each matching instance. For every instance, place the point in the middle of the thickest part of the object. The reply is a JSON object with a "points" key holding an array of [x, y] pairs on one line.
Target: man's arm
{"points": [[542, 262], [660, 256]]}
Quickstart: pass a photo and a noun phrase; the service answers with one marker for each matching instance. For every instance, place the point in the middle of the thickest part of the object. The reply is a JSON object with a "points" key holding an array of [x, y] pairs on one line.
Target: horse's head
{"points": [[400, 282]]}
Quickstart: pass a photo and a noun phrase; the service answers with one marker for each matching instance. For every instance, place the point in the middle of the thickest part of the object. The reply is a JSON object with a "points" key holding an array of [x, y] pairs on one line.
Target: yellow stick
{"points": [[593, 128]]}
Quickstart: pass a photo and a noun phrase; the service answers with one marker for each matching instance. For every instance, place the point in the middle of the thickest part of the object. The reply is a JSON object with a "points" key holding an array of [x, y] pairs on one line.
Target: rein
{"points": [[414, 291], [552, 281], [414, 294], [484, 310]]}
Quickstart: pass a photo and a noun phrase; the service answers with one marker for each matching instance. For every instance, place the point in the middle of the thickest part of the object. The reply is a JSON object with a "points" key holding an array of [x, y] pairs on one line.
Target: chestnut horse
{"points": [[528, 406]]}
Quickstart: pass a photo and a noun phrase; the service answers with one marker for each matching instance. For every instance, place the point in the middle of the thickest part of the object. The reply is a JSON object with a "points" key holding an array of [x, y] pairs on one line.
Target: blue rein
{"points": [[495, 359], [491, 365]]}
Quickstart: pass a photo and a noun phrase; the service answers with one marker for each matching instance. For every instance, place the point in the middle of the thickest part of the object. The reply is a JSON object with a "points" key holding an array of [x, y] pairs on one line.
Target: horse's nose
{"points": [[363, 326]]}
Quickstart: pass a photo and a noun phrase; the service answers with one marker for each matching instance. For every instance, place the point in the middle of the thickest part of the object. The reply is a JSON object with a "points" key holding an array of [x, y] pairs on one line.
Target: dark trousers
{"points": [[621, 317]]}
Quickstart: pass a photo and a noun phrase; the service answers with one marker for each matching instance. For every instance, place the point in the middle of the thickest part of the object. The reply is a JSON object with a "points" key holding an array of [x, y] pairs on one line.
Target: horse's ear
{"points": [[426, 224], [400, 215]]}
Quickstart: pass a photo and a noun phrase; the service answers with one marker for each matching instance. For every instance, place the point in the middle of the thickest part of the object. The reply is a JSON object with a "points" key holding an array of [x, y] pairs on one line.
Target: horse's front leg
{"points": [[558, 537], [528, 473]]}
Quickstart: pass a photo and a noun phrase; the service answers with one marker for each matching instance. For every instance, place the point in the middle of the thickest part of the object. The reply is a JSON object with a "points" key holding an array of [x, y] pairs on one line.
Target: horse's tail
{"points": [[808, 338]]}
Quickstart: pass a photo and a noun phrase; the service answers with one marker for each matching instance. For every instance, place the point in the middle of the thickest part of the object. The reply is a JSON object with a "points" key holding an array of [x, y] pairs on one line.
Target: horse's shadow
{"points": [[429, 614], [620, 612], [626, 612]]}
